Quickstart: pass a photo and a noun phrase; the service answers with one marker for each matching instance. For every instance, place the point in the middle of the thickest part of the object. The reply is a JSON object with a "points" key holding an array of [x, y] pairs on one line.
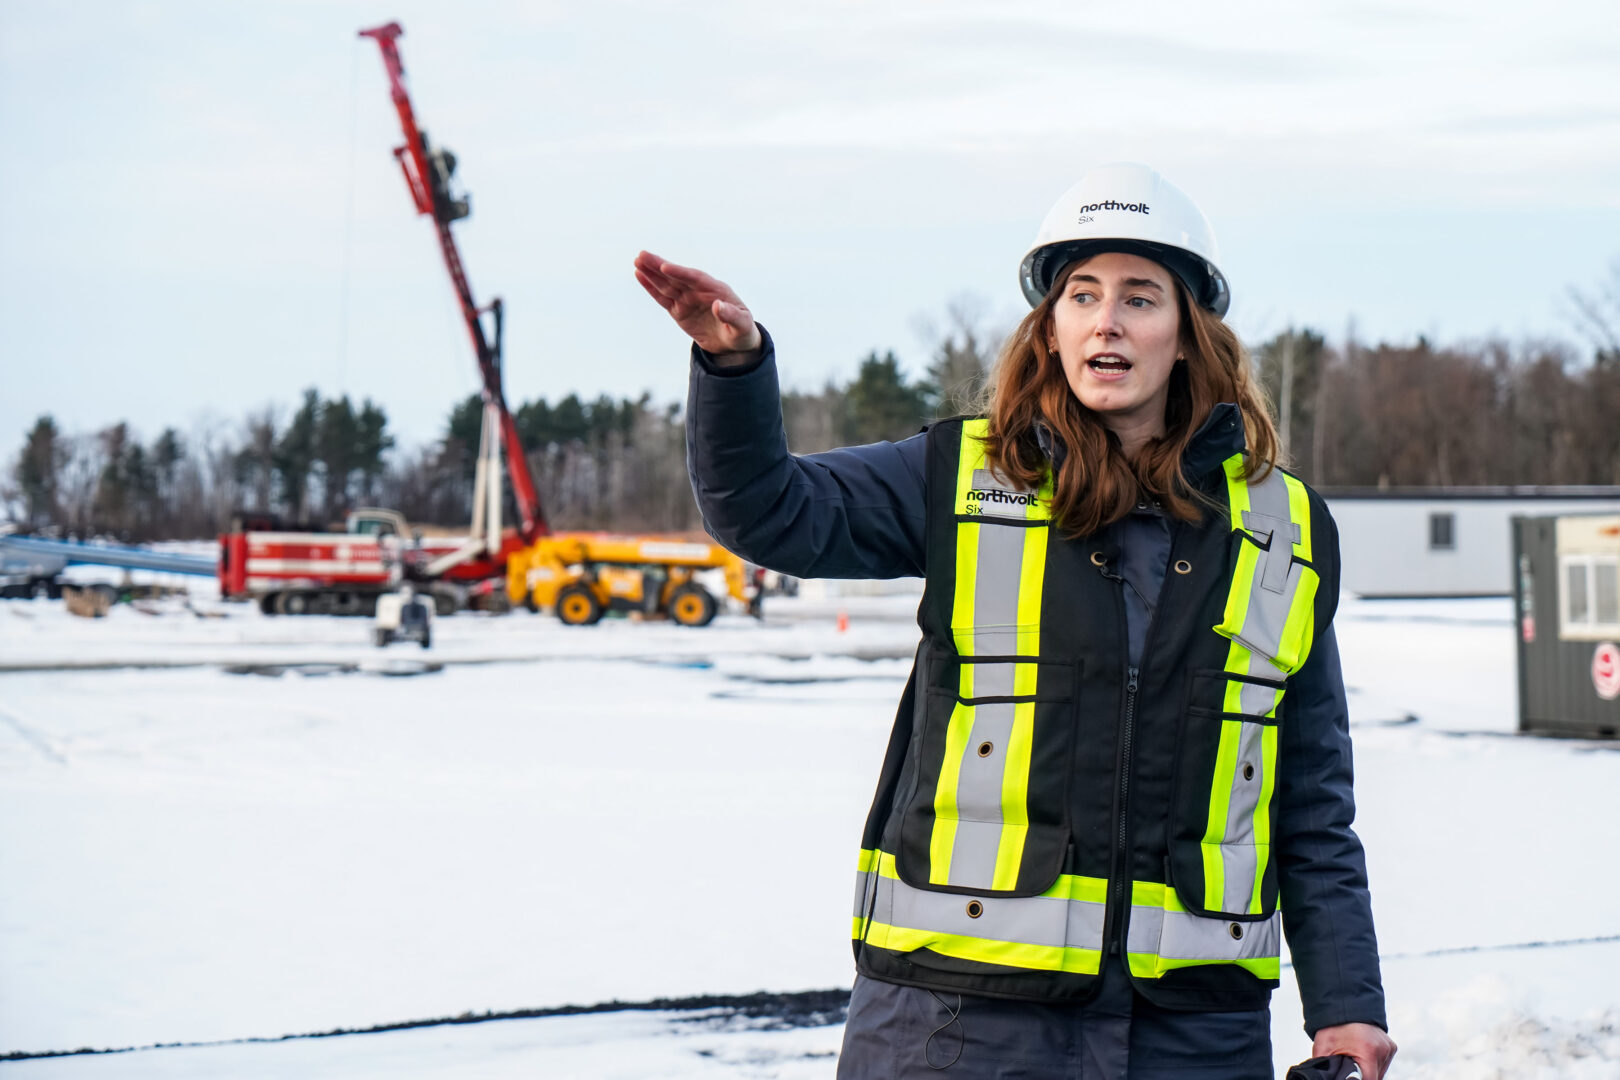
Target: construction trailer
{"points": [[1567, 602], [1443, 541]]}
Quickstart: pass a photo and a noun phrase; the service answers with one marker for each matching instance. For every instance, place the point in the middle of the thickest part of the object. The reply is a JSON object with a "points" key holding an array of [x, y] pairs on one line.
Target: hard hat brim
{"points": [[1204, 283]]}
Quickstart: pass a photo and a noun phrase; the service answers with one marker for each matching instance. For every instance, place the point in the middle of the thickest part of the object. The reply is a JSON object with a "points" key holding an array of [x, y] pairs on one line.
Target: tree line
{"points": [[1350, 415]]}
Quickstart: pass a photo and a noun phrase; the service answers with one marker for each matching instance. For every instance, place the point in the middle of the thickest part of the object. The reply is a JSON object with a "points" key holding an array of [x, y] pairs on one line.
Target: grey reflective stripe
{"points": [[1181, 935], [1259, 700], [1026, 920], [863, 891], [995, 591], [992, 680], [997, 573], [1277, 579], [1238, 855], [978, 797]]}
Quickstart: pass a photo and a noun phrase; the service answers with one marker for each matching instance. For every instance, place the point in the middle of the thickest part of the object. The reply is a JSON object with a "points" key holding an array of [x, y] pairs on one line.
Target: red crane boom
{"points": [[427, 174]]}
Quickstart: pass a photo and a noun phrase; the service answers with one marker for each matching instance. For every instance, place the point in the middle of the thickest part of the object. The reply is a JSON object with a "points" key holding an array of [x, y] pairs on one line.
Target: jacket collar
{"points": [[1217, 438]]}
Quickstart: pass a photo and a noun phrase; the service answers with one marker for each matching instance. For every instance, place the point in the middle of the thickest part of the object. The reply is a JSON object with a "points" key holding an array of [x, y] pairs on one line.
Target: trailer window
{"points": [[1443, 532], [1606, 592], [1590, 597]]}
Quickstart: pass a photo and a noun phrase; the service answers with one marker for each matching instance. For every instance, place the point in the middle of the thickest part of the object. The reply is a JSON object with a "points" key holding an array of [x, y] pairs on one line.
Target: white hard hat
{"points": [[1129, 208]]}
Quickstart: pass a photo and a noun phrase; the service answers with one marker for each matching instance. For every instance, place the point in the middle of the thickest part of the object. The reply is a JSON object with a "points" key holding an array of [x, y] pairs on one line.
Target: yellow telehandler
{"points": [[583, 576]]}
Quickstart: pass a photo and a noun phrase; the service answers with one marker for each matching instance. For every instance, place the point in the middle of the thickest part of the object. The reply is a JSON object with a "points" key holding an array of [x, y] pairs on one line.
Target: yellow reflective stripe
{"points": [[988, 951], [1152, 966], [1155, 894], [971, 457], [1237, 489], [1066, 887], [943, 840], [1031, 577], [1237, 660], [1299, 511], [867, 860], [1015, 797], [1299, 629], [1262, 813], [1220, 797], [1237, 598], [967, 580], [860, 928]]}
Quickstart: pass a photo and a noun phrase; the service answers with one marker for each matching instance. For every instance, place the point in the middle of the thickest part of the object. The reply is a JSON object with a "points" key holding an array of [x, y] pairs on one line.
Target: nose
{"points": [[1108, 323]]}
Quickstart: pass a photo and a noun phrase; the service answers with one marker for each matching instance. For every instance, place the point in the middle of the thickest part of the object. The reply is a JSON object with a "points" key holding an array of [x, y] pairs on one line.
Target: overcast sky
{"points": [[201, 214]]}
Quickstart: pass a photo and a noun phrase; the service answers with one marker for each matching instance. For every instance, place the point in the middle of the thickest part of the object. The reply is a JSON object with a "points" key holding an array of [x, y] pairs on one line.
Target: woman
{"points": [[1122, 757]]}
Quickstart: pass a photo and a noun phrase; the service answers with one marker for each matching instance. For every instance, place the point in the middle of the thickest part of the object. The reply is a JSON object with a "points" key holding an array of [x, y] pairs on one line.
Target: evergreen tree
{"points": [[295, 454], [960, 367], [337, 439], [882, 404], [38, 473], [533, 420], [371, 442], [568, 420]]}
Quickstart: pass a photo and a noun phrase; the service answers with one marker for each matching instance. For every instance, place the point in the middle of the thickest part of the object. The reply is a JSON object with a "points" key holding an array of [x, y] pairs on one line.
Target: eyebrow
{"points": [[1130, 282]]}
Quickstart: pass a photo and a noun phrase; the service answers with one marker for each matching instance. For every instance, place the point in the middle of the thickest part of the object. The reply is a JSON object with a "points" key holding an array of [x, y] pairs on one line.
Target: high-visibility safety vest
{"points": [[1041, 798]]}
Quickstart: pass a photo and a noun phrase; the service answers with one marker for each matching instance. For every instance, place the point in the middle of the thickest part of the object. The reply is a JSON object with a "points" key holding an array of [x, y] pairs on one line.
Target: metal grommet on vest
{"points": [[1183, 566], [974, 909], [1237, 931], [986, 749], [1248, 772], [1098, 559]]}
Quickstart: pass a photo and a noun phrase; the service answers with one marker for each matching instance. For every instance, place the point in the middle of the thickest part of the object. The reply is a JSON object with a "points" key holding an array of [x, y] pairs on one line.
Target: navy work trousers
{"points": [[903, 1033]]}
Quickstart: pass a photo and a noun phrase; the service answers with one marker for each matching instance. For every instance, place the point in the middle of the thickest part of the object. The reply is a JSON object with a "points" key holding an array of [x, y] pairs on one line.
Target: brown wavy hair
{"points": [[1097, 484]]}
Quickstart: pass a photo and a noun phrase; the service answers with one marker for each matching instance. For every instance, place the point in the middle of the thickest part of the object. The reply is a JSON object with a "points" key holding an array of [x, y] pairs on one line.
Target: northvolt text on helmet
{"points": [[1114, 204]]}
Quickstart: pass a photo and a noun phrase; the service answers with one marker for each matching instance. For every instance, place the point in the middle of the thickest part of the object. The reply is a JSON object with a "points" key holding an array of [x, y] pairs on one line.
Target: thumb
{"points": [[734, 315]]}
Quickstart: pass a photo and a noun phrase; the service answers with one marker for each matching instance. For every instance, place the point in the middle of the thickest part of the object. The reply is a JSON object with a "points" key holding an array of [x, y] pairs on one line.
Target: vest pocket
{"points": [[1220, 837], [989, 814]]}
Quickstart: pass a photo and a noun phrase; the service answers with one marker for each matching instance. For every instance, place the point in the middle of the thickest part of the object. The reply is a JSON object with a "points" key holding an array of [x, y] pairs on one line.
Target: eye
{"points": [[1082, 297], [1140, 301]]}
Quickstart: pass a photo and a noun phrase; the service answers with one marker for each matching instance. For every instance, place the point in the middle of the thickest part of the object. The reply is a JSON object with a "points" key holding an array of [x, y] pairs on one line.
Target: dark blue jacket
{"points": [[858, 512]]}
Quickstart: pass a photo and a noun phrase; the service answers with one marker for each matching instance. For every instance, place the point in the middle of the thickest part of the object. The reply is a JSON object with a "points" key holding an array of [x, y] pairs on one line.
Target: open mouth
{"points": [[1109, 365]]}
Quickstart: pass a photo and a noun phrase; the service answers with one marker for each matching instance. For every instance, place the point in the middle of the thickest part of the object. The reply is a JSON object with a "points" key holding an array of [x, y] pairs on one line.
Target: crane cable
{"points": [[348, 219]]}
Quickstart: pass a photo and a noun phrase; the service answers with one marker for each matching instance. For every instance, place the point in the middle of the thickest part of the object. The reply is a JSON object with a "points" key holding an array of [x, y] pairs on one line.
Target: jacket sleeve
{"points": [[857, 512], [1322, 871]]}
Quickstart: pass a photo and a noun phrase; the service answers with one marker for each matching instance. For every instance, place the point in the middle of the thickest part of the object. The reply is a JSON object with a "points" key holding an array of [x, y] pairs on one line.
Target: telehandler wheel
{"points": [[578, 606], [692, 605]]}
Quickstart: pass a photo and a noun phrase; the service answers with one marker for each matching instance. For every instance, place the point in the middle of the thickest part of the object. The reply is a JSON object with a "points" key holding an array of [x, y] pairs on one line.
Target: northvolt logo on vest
{"points": [[993, 495], [989, 494]]}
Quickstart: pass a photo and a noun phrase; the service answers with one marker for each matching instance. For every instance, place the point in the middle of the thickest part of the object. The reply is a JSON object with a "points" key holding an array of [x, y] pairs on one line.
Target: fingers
{"points": [[654, 290]]}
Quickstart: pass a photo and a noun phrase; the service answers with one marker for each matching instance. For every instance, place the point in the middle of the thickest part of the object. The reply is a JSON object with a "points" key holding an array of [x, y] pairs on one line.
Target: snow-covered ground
{"points": [[216, 828]]}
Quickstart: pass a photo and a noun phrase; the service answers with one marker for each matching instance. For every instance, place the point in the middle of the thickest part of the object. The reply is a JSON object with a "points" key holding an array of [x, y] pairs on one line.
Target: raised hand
{"points": [[703, 307]]}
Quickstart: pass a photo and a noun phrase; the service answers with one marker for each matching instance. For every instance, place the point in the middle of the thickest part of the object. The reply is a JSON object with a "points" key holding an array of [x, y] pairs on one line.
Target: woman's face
{"points": [[1116, 328]]}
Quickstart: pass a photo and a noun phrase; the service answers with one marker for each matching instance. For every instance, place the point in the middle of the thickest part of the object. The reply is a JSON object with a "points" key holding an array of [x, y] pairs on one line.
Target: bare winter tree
{"points": [[1598, 314]]}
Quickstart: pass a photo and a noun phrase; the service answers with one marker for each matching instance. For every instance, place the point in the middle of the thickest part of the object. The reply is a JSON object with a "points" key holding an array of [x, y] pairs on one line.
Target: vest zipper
{"points": [[1123, 837], [1122, 873]]}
